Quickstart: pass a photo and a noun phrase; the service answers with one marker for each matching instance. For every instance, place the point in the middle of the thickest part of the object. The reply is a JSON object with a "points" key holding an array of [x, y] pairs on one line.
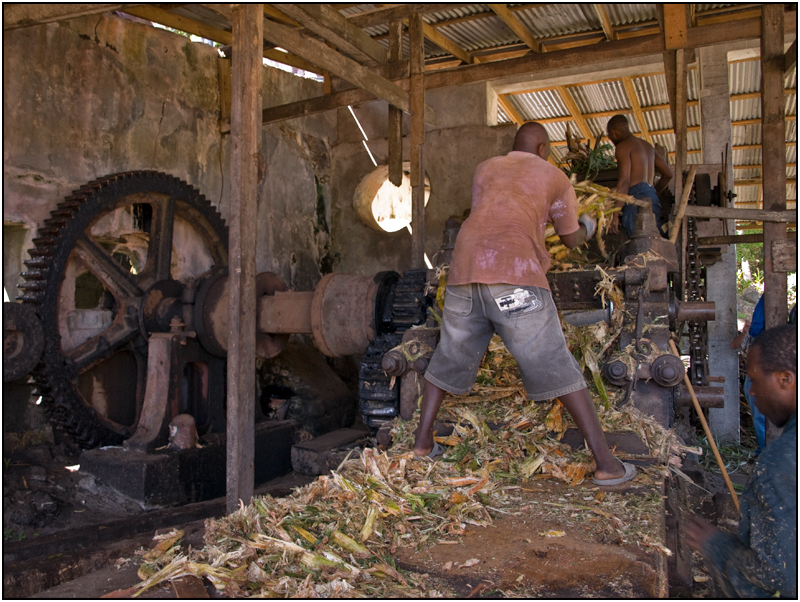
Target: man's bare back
{"points": [[637, 163]]}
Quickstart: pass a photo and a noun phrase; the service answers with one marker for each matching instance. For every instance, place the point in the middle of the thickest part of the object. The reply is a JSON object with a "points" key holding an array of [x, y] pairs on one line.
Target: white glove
{"points": [[589, 223]]}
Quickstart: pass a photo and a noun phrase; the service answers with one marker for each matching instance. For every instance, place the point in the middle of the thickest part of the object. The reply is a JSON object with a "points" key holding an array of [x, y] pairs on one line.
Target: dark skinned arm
{"points": [[663, 169], [623, 156]]}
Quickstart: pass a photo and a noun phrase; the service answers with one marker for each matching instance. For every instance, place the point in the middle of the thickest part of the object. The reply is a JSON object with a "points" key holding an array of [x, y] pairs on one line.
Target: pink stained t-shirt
{"points": [[502, 241]]}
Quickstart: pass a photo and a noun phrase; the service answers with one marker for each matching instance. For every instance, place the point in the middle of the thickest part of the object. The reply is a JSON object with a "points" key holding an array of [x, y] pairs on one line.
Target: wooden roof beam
{"points": [[23, 14], [575, 112], [630, 91], [152, 12], [758, 181], [509, 109], [327, 22], [337, 64], [513, 22], [446, 43], [676, 26], [605, 22], [397, 12]]}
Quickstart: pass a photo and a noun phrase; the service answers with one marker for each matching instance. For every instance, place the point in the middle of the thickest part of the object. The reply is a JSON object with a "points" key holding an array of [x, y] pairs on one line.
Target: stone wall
{"points": [[454, 147], [102, 94]]}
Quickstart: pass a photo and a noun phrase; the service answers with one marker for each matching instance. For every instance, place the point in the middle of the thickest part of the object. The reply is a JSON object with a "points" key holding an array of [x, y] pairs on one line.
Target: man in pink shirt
{"points": [[497, 283]]}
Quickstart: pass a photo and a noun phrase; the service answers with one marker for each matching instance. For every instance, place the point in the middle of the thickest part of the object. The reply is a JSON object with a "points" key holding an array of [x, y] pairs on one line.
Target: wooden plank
{"points": [[627, 83], [158, 15], [513, 22], [790, 58], [676, 26], [542, 62], [784, 217], [273, 13], [246, 81], [512, 112], [224, 71], [575, 112], [784, 256], [328, 23], [318, 53], [773, 157], [738, 239], [605, 22], [327, 102], [445, 43], [416, 45], [25, 14], [758, 181], [395, 128]]}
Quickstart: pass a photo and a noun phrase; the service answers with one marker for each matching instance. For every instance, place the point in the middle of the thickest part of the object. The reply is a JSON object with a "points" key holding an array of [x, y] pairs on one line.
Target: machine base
{"points": [[175, 477]]}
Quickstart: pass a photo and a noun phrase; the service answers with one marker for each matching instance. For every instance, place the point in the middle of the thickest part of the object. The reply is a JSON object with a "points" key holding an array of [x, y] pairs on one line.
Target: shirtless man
{"points": [[498, 283], [638, 163]]}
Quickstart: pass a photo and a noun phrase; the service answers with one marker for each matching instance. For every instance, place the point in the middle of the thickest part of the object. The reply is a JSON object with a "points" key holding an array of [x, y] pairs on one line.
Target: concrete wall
{"points": [[97, 95], [454, 147]]}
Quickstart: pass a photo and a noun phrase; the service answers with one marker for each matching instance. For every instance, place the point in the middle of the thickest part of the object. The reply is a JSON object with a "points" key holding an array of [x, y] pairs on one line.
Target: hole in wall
{"points": [[382, 205]]}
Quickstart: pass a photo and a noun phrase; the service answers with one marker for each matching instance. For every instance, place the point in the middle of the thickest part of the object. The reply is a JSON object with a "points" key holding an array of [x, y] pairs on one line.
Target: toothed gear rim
{"points": [[378, 396], [56, 377]]}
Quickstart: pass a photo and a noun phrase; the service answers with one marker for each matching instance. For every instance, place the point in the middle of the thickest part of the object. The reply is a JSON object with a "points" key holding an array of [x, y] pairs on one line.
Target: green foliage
{"points": [[590, 161]]}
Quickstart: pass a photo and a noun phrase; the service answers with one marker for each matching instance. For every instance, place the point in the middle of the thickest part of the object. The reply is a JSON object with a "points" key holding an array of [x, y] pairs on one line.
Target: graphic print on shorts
{"points": [[520, 300]]}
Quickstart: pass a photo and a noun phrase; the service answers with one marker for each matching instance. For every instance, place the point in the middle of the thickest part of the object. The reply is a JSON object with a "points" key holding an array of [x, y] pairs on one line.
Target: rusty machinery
{"points": [[123, 329], [662, 296], [151, 343]]}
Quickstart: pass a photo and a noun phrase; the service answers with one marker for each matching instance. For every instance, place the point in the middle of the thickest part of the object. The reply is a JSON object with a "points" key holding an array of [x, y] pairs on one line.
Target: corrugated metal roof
{"points": [[651, 90], [549, 20], [748, 134], [744, 76], [625, 14], [538, 105], [749, 108], [745, 194], [502, 117], [605, 96]]}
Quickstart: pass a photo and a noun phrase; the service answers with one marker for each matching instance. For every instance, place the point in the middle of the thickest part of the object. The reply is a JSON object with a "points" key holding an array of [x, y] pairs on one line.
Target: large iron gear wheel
{"points": [[112, 242]]}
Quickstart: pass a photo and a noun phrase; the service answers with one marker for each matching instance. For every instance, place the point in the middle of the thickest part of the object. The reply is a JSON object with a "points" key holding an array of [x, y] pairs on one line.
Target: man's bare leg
{"points": [[431, 402], [580, 406]]}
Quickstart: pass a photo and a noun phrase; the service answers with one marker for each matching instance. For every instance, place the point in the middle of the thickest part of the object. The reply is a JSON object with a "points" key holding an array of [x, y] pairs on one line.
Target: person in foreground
{"points": [[637, 162], [762, 561], [497, 283]]}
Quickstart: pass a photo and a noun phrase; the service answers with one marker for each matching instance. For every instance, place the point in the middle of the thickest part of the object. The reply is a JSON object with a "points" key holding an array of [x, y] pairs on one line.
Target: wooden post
{"points": [[395, 132], [246, 100], [773, 162], [773, 156], [417, 101]]}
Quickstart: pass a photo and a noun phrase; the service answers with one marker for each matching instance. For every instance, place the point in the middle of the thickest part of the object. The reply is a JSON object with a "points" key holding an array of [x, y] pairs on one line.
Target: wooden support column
{"points": [[395, 131], [246, 100], [773, 156], [416, 45]]}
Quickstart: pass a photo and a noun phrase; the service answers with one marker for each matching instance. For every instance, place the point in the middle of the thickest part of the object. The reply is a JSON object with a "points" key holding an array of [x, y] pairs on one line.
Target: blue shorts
{"points": [[526, 319], [646, 192]]}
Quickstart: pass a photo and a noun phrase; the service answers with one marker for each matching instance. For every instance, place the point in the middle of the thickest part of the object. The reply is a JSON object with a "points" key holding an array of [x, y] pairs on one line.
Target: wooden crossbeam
{"points": [[509, 109], [151, 12], [574, 112], [318, 53], [742, 214], [446, 43], [328, 23], [25, 14], [758, 166], [627, 83], [758, 181], [513, 22], [676, 26], [605, 22]]}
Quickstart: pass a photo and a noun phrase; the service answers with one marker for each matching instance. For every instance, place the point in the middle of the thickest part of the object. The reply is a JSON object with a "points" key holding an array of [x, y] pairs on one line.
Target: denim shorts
{"points": [[526, 319], [645, 192]]}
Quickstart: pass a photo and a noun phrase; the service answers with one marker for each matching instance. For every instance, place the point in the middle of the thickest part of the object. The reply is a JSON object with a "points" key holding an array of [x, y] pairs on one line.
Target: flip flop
{"points": [[437, 451], [630, 473]]}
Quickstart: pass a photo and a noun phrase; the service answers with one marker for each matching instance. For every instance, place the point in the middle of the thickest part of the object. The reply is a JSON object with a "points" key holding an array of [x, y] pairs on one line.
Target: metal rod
{"points": [[711, 442]]}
